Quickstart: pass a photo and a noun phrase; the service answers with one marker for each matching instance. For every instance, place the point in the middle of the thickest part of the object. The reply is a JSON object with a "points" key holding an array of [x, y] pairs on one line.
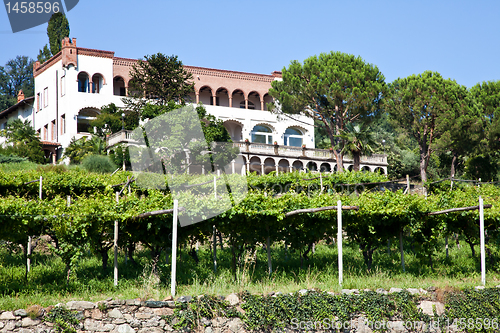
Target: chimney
{"points": [[20, 96]]}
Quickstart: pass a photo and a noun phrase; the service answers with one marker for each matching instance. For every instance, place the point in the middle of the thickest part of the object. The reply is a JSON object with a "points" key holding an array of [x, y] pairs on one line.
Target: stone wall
{"points": [[136, 316]]}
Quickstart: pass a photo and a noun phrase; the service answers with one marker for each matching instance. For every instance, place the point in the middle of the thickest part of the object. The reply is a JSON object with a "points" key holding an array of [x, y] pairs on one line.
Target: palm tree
{"points": [[357, 140]]}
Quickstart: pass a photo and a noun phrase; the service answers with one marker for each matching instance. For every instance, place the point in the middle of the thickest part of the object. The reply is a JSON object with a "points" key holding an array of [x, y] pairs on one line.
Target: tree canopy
{"points": [[17, 74], [158, 80], [57, 29], [23, 140], [334, 88]]}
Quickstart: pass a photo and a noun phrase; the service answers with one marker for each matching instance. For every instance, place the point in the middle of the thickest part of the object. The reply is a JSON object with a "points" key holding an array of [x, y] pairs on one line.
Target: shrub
{"points": [[11, 158], [98, 163]]}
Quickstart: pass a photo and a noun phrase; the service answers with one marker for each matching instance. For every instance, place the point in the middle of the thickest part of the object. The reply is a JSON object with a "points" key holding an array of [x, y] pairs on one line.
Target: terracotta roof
{"points": [[17, 105], [50, 143]]}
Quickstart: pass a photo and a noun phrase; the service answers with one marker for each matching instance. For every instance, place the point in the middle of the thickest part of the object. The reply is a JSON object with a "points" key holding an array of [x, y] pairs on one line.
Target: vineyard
{"points": [[78, 211]]}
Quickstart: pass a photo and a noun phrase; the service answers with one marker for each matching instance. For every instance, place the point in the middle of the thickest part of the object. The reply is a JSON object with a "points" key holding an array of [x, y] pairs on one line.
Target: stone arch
{"points": [[349, 167], [294, 136], [297, 165], [222, 96], [380, 170], [235, 129], [325, 167], [83, 119], [255, 165], [254, 101], [205, 94], [237, 96], [312, 166], [269, 165], [83, 81], [366, 168], [97, 83], [267, 99], [119, 88], [283, 165]]}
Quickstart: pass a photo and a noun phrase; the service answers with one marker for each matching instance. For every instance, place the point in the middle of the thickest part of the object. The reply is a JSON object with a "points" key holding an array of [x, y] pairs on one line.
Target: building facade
{"points": [[72, 86]]}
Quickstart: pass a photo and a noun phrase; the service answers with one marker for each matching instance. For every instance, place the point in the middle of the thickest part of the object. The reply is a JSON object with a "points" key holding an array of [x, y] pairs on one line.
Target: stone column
{"points": [[214, 99], [246, 103], [230, 101], [262, 104], [197, 97], [262, 168], [277, 169]]}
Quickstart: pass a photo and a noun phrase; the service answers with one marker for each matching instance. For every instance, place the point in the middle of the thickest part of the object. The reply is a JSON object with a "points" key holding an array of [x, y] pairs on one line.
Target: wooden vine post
{"points": [[215, 247], [481, 231], [174, 249], [401, 249], [339, 239], [115, 248]]}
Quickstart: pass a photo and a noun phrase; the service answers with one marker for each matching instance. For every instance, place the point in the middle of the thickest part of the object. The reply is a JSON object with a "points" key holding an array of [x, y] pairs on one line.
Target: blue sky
{"points": [[459, 39]]}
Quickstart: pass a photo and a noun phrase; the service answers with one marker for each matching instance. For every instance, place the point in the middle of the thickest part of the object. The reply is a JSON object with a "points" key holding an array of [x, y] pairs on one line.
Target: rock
{"points": [[331, 293], [97, 325], [115, 313], [27, 321], [1, 325], [232, 299], [125, 328], [135, 323], [155, 304], [7, 315], [142, 315], [367, 290], [169, 298], [185, 299], [205, 322], [413, 291], [151, 330], [431, 288], [79, 315], [397, 326], [476, 287], [427, 307], [153, 322], [350, 291], [423, 291], [20, 313], [395, 290], [80, 305], [235, 325], [10, 326], [95, 314], [128, 317], [171, 304], [303, 291], [209, 330], [163, 311], [381, 291], [119, 321]]}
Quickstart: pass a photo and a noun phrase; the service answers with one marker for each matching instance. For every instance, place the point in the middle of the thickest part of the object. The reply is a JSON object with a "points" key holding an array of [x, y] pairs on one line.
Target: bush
{"points": [[12, 159], [98, 163]]}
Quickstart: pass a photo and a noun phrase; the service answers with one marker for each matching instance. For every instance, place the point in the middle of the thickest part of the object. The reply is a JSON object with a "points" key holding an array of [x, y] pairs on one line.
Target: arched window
{"points": [[293, 137], [262, 134], [96, 83], [83, 82]]}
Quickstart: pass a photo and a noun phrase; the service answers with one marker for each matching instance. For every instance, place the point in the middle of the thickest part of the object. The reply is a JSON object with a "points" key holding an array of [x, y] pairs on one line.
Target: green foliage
{"points": [[159, 78], [17, 74], [44, 54], [77, 150], [64, 320], [24, 141], [482, 167], [57, 29], [11, 159], [338, 88], [98, 163]]}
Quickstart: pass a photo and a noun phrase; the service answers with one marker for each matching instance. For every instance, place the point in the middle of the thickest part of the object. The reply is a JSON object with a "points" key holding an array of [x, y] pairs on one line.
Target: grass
{"points": [[46, 283]]}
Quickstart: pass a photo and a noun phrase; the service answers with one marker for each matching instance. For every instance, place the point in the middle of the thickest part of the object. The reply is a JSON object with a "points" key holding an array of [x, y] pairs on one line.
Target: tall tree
{"points": [[17, 74], [421, 105], [57, 29], [488, 96], [334, 88], [464, 127], [158, 80]]}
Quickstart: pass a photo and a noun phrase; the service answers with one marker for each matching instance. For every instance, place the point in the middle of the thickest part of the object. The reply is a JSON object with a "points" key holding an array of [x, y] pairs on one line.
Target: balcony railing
{"points": [[267, 149]]}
